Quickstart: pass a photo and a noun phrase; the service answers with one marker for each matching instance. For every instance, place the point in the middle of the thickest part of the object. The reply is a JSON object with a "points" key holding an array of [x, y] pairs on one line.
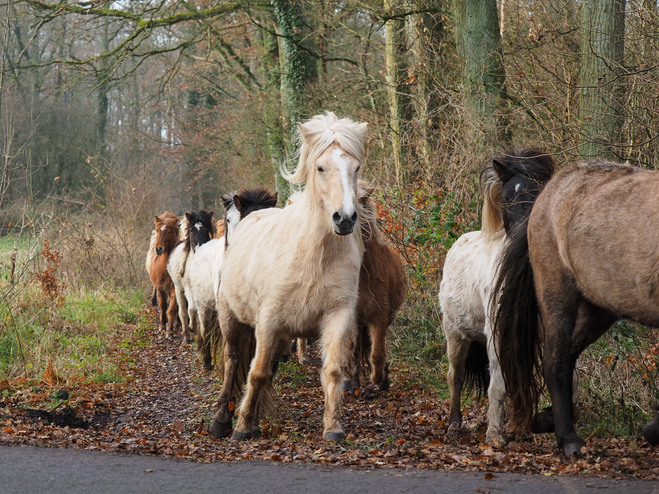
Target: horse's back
{"points": [[597, 223], [200, 272]]}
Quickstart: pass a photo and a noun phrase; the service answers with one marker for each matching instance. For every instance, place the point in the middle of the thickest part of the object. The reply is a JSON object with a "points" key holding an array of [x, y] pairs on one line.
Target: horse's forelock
{"points": [[319, 133]]}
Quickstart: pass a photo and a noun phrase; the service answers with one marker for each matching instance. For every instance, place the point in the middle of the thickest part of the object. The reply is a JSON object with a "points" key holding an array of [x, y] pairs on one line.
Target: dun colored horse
{"points": [[167, 235], [511, 186], [585, 257], [289, 271], [199, 229]]}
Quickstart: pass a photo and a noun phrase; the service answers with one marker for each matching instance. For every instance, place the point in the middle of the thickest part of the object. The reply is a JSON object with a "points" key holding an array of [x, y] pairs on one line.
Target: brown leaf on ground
{"points": [[4, 384]]}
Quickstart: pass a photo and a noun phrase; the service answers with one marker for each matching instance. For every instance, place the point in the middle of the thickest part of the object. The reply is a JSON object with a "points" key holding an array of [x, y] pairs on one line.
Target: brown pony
{"points": [[382, 288], [585, 257], [167, 235]]}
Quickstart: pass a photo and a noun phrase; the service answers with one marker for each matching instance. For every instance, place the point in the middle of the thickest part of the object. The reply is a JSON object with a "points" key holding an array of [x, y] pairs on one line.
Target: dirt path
{"points": [[165, 409]]}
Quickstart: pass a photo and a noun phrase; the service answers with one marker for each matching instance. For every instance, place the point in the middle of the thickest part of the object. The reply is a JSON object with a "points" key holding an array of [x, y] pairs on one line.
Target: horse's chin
{"points": [[342, 231]]}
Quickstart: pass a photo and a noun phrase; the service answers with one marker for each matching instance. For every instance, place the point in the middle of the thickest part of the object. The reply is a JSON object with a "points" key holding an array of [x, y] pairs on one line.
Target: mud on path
{"points": [[166, 405]]}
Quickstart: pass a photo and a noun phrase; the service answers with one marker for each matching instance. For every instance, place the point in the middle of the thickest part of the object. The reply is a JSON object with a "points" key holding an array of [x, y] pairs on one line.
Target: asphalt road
{"points": [[40, 470]]}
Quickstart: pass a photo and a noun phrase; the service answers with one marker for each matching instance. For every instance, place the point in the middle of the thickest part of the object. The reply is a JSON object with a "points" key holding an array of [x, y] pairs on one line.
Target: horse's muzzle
{"points": [[344, 225], [159, 250]]}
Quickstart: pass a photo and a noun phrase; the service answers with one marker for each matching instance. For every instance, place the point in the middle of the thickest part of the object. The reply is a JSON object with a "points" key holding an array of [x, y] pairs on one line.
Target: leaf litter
{"points": [[165, 406]]}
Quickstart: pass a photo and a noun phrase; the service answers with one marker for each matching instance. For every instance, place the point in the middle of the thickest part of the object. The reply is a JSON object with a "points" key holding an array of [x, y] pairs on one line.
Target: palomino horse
{"points": [[199, 229], [586, 257], [289, 271], [510, 186], [382, 288], [167, 235], [207, 263]]}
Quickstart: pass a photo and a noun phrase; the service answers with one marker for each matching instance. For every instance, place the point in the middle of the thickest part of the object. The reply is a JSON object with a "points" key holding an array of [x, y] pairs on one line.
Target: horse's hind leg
{"points": [[207, 324], [496, 395], [571, 325], [183, 314], [456, 348], [232, 332]]}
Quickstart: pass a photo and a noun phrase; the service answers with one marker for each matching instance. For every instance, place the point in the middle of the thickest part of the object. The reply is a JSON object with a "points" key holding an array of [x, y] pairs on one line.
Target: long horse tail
{"points": [[516, 321], [477, 374], [212, 338], [362, 352]]}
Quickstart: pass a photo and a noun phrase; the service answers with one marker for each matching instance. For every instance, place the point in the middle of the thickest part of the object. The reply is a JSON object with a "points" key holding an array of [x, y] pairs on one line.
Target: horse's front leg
{"points": [[336, 330], [496, 395], [379, 364], [302, 351], [258, 377], [162, 300], [172, 314]]}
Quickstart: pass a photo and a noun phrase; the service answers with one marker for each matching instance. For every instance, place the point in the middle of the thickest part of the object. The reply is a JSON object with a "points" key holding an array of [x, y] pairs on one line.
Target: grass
{"points": [[76, 331]]}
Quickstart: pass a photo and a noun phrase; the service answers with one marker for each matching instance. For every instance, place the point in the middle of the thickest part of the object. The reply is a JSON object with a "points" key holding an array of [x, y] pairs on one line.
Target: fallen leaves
{"points": [[167, 406]]}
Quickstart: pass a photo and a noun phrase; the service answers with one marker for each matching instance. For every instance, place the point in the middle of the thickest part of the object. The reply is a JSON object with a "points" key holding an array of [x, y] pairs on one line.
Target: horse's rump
{"points": [[601, 217]]}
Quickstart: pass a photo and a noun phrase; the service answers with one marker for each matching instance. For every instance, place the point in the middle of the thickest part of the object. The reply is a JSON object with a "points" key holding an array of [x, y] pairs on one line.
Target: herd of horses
{"points": [[560, 257]]}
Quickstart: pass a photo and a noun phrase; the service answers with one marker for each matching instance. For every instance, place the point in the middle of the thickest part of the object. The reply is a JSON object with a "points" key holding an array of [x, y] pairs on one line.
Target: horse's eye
{"points": [[358, 168], [320, 169]]}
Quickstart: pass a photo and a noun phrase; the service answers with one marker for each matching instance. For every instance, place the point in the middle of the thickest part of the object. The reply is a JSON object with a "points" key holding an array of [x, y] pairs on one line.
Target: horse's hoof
{"points": [[384, 385], [347, 386], [574, 448], [543, 422], [220, 430], [256, 433], [241, 436], [337, 437], [495, 439], [651, 431]]}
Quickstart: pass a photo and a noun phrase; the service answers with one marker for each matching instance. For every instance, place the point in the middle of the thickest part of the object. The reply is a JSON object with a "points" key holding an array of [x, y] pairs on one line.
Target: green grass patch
{"points": [[76, 331]]}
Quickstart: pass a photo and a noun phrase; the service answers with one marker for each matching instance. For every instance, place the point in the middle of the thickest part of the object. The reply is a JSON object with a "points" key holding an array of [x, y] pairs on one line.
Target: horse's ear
{"points": [[305, 132], [226, 202], [362, 130], [157, 219], [237, 202], [500, 169], [188, 216], [211, 215], [368, 191]]}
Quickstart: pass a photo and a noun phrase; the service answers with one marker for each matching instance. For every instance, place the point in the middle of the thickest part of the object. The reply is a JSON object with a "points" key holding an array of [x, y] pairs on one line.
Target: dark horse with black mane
{"points": [[586, 256]]}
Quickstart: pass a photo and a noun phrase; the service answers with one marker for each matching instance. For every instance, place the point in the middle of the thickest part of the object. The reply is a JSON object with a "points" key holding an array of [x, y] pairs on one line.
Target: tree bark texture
{"points": [[602, 51]]}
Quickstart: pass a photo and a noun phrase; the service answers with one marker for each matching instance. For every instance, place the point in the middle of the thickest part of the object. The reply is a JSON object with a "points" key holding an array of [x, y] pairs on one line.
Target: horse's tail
{"points": [[477, 374], [516, 327], [212, 338]]}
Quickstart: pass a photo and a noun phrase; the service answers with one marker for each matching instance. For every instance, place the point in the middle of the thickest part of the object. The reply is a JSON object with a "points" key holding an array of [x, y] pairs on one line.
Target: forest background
{"points": [[111, 112]]}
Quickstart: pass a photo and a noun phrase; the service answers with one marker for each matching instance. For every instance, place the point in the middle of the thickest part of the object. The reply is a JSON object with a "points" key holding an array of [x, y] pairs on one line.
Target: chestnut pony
{"points": [[510, 186], [167, 235], [585, 257], [289, 271]]}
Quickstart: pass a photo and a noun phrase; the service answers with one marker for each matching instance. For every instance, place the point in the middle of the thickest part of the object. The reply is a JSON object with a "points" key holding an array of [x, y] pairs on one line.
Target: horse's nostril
{"points": [[336, 218], [353, 218]]}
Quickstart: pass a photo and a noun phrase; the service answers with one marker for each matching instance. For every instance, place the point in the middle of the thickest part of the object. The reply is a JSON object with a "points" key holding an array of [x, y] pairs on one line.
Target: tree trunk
{"points": [[478, 41], [602, 51], [299, 71], [397, 91]]}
